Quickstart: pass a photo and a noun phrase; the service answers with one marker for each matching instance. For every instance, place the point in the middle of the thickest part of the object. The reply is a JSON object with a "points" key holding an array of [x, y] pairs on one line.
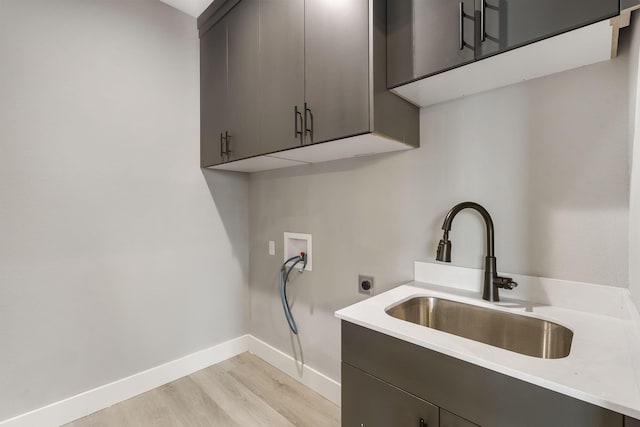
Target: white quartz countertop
{"points": [[603, 367]]}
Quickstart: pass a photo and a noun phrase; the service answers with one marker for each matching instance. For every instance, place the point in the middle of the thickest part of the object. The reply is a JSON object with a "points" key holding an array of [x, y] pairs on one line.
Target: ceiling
{"points": [[190, 7]]}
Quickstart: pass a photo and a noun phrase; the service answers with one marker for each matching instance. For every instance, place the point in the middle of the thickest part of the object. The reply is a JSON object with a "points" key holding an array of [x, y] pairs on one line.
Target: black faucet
{"points": [[492, 282]]}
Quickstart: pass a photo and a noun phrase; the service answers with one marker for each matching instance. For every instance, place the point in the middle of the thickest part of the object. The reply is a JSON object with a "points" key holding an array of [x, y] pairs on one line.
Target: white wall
{"points": [[547, 158], [117, 253], [634, 208]]}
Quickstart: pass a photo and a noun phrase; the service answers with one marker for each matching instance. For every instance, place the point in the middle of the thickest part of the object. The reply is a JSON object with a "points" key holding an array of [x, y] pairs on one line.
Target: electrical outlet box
{"points": [[365, 284], [294, 243]]}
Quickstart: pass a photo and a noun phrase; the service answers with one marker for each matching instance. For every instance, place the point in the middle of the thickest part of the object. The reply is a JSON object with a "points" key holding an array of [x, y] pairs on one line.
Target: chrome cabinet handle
{"points": [[483, 7], [298, 133], [227, 150], [224, 145], [308, 119], [461, 25]]}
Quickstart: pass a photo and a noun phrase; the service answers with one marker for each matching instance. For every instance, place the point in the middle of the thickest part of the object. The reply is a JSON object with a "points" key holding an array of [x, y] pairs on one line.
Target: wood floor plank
{"points": [[112, 416], [244, 406], [145, 410], [191, 406], [240, 391], [299, 404]]}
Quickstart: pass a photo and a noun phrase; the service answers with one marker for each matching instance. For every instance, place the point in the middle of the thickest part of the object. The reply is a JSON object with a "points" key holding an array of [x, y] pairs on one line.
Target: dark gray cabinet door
{"points": [[631, 422], [513, 23], [367, 401], [281, 72], [399, 42], [213, 89], [337, 67], [425, 37], [243, 42], [447, 419]]}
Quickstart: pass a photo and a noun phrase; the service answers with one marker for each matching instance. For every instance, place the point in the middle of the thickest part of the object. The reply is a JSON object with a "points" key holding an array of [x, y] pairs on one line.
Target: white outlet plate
{"points": [[272, 247], [294, 243], [362, 278]]}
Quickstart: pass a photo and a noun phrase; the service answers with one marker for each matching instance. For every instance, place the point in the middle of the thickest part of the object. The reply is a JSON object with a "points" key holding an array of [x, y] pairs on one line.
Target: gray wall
{"points": [[634, 208], [548, 158], [116, 252]]}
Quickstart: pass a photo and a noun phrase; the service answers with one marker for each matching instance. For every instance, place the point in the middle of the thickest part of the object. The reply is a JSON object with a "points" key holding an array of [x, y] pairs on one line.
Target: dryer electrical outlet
{"points": [[294, 243]]}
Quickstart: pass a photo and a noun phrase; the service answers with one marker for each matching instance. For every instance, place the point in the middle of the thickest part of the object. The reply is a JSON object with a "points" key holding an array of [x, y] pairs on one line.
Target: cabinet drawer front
{"points": [[369, 402], [477, 394]]}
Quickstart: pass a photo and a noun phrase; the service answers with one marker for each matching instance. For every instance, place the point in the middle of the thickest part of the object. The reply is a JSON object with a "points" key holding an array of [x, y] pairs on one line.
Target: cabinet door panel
{"points": [[512, 23], [437, 30], [281, 71], [337, 67], [399, 42], [631, 422], [367, 401], [213, 88], [243, 41], [447, 419]]}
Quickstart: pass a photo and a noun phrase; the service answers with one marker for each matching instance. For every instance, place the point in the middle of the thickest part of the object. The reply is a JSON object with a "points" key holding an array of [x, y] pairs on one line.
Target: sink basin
{"points": [[514, 332]]}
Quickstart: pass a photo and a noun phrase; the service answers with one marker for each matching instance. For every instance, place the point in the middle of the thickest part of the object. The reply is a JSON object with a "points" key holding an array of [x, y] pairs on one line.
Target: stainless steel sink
{"points": [[514, 332]]}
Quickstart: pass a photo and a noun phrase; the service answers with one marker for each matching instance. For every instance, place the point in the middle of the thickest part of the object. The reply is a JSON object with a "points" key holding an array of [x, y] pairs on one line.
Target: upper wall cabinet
{"points": [[281, 74], [296, 79], [228, 84], [426, 37], [507, 24], [336, 68], [213, 95], [292, 82], [497, 42]]}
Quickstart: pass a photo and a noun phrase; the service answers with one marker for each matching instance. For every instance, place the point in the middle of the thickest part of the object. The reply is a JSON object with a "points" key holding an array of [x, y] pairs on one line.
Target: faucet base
{"points": [[489, 290], [493, 282]]}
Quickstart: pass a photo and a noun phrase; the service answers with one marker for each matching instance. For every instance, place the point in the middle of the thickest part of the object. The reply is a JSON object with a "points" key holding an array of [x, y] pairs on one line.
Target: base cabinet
{"points": [[631, 422], [370, 402], [447, 419], [383, 376], [374, 403]]}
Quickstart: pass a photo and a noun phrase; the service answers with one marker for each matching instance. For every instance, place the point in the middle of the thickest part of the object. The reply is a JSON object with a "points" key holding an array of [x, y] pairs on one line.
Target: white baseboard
{"points": [[315, 380], [86, 403], [102, 397]]}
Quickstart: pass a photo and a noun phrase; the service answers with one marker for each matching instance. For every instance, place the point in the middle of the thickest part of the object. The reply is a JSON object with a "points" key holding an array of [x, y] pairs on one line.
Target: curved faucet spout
{"points": [[446, 226]]}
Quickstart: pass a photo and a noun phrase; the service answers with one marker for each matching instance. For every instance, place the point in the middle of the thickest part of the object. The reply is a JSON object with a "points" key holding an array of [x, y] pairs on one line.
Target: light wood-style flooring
{"points": [[242, 391]]}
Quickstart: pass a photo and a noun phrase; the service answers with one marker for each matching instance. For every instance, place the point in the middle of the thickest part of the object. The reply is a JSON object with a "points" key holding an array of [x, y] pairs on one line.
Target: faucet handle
{"points": [[504, 282]]}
